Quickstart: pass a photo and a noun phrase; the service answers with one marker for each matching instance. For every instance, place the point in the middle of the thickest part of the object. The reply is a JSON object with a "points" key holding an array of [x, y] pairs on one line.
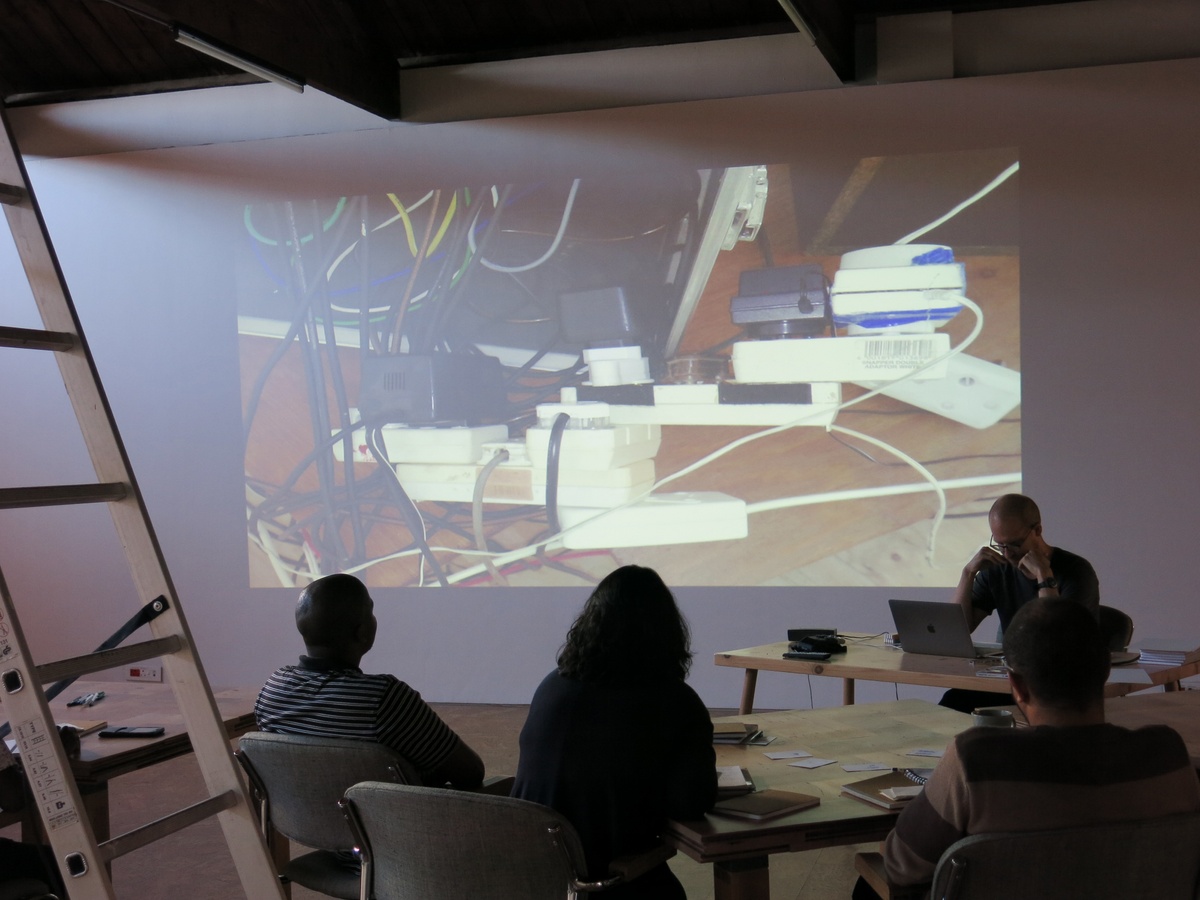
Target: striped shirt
{"points": [[316, 700], [1037, 779]]}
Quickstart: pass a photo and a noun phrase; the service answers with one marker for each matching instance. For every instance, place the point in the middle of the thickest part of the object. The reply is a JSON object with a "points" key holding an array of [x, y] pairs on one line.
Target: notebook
{"points": [[891, 790], [933, 628], [767, 804]]}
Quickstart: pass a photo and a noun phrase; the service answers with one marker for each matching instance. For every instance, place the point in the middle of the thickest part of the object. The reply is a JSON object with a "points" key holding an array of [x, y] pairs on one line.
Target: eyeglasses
{"points": [[1011, 545]]}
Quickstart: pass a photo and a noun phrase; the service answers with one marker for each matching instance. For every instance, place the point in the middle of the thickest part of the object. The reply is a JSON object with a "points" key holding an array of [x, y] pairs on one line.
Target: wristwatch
{"points": [[1050, 582]]}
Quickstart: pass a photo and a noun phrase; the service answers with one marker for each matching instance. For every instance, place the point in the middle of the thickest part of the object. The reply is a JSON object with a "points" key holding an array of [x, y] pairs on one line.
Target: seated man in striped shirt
{"points": [[1071, 768], [327, 694]]}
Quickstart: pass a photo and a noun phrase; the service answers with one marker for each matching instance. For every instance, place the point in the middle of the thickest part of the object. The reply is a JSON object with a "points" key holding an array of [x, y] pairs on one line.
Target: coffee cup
{"points": [[1002, 718]]}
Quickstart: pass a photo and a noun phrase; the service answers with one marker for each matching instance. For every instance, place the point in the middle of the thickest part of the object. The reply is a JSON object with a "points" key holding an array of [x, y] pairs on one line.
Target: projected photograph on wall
{"points": [[801, 372]]}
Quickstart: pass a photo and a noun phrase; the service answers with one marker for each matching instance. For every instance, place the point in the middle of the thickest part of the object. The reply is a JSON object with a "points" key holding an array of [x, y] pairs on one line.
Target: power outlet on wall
{"points": [[143, 673]]}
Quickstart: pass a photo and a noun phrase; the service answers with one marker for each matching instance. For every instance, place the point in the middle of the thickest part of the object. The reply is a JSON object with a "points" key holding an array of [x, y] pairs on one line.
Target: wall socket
{"points": [[143, 673]]}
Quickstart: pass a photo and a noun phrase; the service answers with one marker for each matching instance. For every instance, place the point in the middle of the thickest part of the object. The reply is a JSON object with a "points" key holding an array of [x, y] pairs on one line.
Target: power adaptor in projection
{"points": [[438, 388]]}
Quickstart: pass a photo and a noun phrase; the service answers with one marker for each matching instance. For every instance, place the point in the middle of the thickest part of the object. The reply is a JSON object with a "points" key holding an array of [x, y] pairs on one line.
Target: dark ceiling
{"points": [[56, 50]]}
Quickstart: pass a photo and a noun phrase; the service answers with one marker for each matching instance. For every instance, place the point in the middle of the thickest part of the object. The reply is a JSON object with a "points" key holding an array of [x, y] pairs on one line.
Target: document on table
{"points": [[1128, 676]]}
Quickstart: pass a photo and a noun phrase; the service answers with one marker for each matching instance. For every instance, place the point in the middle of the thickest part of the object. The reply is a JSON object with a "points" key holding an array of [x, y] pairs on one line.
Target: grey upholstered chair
{"points": [[1154, 859], [428, 844], [298, 782]]}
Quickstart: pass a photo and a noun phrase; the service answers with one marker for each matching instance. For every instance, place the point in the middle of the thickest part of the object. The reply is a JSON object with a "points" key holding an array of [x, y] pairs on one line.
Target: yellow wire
{"points": [[437, 238], [408, 229]]}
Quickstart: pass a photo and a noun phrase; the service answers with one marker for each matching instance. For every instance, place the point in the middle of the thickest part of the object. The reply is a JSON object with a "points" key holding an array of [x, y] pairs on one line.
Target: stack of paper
{"points": [[733, 780], [1173, 651], [734, 732]]}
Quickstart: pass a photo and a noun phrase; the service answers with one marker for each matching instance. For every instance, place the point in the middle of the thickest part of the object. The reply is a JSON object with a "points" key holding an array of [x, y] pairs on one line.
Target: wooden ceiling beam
{"points": [[830, 24], [297, 40]]}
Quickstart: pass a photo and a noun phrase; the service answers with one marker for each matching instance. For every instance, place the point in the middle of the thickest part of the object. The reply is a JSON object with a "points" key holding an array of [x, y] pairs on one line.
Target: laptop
{"points": [[934, 628]]}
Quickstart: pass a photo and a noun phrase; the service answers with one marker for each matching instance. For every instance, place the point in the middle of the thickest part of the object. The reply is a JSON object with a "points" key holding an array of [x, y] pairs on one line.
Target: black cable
{"points": [[407, 507], [359, 551], [285, 345], [271, 505], [553, 454], [318, 412], [552, 563], [449, 296]]}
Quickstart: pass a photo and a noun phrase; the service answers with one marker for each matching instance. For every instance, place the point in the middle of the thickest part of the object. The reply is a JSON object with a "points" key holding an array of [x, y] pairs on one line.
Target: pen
{"points": [[95, 698]]}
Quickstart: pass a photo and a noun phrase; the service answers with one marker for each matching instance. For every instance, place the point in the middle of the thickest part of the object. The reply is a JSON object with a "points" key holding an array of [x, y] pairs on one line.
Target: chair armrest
{"points": [[637, 864], [496, 785], [870, 867]]}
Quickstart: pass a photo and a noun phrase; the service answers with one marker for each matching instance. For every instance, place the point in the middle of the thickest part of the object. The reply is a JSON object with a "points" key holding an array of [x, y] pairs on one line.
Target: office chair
{"points": [[298, 782], [1153, 859], [427, 844], [1116, 627]]}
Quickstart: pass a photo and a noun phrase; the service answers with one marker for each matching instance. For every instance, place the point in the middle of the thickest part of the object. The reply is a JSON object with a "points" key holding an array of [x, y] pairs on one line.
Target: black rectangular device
{"points": [[803, 634], [133, 731]]}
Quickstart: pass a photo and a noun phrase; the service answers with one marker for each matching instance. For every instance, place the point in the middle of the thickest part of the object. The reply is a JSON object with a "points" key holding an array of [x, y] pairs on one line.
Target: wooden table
{"points": [[133, 703], [870, 732], [870, 660]]}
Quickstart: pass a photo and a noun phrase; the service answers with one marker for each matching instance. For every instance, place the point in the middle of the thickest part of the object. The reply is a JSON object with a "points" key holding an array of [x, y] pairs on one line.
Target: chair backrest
{"points": [[1116, 627], [1154, 859], [433, 844], [305, 777]]}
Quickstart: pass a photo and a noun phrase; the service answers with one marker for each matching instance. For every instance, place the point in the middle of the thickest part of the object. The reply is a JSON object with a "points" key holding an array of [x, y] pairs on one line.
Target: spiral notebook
{"points": [[891, 790]]}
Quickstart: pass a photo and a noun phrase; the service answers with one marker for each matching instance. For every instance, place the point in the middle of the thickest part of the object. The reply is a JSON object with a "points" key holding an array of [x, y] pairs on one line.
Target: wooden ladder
{"points": [[83, 861]]}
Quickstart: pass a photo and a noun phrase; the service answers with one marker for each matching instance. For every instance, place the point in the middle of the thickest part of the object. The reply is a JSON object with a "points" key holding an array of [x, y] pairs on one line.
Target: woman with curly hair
{"points": [[616, 740]]}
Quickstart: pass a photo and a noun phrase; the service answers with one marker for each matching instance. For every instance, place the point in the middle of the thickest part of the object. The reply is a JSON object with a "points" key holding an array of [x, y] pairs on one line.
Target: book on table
{"points": [[734, 732], [1173, 651], [891, 790], [768, 804], [733, 780]]}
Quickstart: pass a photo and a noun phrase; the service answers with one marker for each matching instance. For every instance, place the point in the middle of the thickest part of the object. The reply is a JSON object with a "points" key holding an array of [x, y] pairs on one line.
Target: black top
{"points": [[1004, 589], [617, 761]]}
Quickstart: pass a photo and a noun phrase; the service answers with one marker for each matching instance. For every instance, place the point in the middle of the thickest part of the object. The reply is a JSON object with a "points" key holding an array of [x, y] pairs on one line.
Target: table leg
{"points": [[847, 692], [748, 683], [742, 879], [95, 804]]}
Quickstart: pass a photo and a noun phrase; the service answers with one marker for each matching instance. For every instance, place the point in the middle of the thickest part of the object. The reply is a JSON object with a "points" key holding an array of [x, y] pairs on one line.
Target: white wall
{"points": [[1110, 216]]}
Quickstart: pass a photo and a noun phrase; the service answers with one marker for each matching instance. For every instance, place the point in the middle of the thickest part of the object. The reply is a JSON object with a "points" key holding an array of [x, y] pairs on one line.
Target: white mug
{"points": [[1002, 718]]}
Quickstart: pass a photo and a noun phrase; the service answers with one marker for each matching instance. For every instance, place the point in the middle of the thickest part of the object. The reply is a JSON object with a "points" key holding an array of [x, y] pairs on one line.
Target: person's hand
{"points": [[1036, 565], [986, 558]]}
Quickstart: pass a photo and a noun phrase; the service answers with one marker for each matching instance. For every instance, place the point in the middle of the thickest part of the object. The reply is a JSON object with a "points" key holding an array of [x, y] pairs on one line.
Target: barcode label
{"points": [[898, 349]]}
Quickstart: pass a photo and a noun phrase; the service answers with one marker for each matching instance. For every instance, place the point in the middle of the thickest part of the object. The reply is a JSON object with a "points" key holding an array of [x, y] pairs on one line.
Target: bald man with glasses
{"points": [[1016, 567]]}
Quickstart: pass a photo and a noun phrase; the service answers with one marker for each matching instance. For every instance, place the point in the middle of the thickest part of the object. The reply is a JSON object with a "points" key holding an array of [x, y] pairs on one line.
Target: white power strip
{"points": [[405, 443], [853, 358], [699, 404], [974, 392]]}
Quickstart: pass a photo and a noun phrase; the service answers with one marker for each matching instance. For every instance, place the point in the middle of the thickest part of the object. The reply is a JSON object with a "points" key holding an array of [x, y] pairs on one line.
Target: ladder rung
{"points": [[61, 495], [108, 659], [12, 194], [34, 339], [167, 825]]}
